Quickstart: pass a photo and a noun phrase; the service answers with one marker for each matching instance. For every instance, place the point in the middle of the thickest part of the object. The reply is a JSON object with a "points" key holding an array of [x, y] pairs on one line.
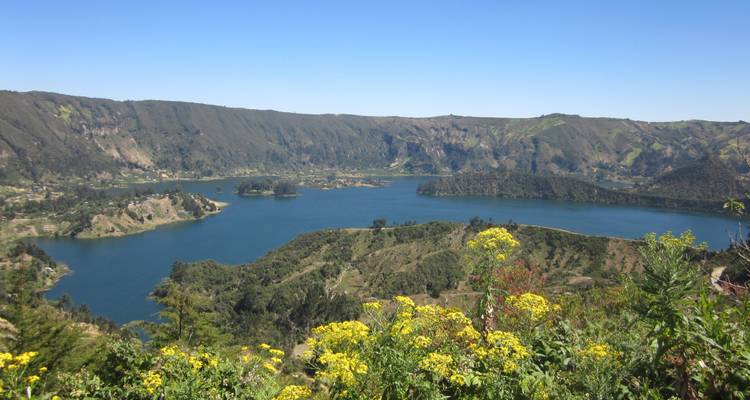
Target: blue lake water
{"points": [[114, 276]]}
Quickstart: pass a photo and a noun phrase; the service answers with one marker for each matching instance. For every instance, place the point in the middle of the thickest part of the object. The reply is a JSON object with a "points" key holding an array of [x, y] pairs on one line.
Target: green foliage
{"points": [[186, 317], [672, 190], [174, 372]]}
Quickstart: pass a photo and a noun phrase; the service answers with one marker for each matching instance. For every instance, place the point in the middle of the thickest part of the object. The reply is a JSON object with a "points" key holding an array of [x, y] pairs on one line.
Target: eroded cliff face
{"points": [[51, 134]]}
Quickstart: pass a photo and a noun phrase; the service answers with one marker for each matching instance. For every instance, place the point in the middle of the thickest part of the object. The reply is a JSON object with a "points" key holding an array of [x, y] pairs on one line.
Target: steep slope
{"points": [[47, 134]]}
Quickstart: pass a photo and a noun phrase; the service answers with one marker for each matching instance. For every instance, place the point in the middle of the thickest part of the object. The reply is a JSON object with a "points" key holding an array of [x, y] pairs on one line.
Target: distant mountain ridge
{"points": [[47, 135]]}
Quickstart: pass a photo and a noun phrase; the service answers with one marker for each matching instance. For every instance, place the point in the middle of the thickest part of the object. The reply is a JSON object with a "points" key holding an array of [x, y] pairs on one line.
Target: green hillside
{"points": [[325, 275], [46, 135], [705, 179], [519, 185]]}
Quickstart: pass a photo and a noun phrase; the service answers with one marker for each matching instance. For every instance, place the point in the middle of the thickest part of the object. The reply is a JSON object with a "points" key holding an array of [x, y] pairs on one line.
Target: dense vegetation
{"points": [[323, 276], [266, 186], [673, 190], [663, 333], [47, 135]]}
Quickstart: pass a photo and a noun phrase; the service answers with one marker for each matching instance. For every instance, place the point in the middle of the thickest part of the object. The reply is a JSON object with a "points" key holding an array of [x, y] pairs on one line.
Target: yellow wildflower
{"points": [[4, 358], [404, 301], [509, 366], [151, 381], [421, 342], [195, 363], [497, 242], [430, 311], [458, 319], [276, 360], [458, 379], [468, 334], [437, 363], [245, 349], [293, 392], [338, 336], [32, 379], [372, 306], [276, 352], [42, 370], [402, 328], [25, 358], [341, 367], [537, 307], [265, 346], [479, 351], [270, 367], [168, 351], [506, 345], [598, 351]]}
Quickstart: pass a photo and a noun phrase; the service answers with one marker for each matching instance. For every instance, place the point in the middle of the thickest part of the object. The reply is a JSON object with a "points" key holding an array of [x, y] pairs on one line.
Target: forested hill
{"points": [[46, 134], [705, 179], [519, 185], [325, 275]]}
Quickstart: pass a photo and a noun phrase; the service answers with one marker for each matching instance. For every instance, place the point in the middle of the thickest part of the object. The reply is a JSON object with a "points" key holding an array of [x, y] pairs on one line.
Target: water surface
{"points": [[114, 276]]}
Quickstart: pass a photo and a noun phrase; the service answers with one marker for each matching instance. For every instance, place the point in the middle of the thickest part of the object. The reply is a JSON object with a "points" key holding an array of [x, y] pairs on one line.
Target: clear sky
{"points": [[649, 60]]}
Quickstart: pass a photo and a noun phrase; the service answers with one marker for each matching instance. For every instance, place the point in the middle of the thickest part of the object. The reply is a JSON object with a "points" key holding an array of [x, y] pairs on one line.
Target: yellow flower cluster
{"points": [[372, 306], [404, 301], [7, 360], [151, 381], [535, 306], [504, 347], [341, 368], [439, 364], [170, 351], [457, 379], [443, 341], [421, 342], [339, 336], [32, 379], [270, 367], [276, 352], [469, 334], [497, 242], [598, 351], [293, 392]]}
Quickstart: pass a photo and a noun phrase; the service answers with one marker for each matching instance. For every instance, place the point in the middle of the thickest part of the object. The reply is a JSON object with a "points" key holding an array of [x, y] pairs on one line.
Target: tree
{"points": [[186, 315]]}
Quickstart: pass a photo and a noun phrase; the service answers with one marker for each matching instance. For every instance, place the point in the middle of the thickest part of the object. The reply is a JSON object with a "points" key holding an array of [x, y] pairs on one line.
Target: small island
{"points": [[267, 187], [341, 182]]}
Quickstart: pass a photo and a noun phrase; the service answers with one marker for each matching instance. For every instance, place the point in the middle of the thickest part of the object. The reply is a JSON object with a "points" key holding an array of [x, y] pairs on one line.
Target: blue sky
{"points": [[649, 60]]}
